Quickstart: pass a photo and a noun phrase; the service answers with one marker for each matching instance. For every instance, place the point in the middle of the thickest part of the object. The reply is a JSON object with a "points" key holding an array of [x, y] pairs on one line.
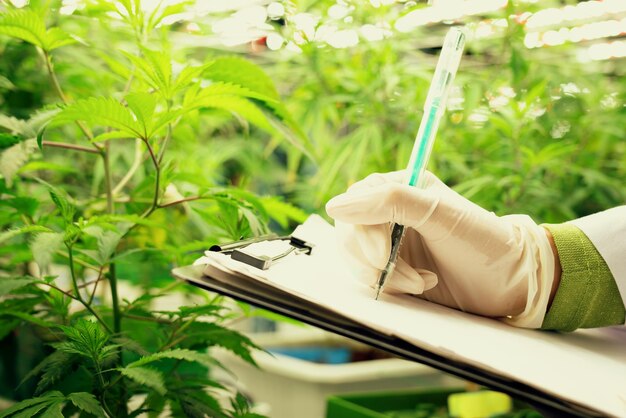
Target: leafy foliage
{"points": [[92, 174], [27, 25]]}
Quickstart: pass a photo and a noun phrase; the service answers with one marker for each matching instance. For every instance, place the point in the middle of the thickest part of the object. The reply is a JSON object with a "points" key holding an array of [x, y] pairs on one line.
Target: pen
{"points": [[434, 106]]}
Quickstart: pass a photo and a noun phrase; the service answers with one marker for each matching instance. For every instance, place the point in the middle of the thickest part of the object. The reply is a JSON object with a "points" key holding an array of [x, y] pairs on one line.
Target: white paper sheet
{"points": [[587, 367]]}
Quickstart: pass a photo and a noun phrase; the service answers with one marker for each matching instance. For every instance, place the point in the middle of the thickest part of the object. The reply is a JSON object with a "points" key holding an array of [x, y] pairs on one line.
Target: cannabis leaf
{"points": [[52, 369], [44, 245], [87, 339], [146, 376], [7, 235], [15, 157], [242, 72], [28, 26], [30, 407], [104, 111], [9, 284], [155, 67], [178, 354], [87, 402]]}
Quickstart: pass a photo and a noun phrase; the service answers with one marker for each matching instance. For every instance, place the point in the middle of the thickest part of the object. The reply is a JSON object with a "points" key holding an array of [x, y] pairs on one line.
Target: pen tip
{"points": [[377, 293]]}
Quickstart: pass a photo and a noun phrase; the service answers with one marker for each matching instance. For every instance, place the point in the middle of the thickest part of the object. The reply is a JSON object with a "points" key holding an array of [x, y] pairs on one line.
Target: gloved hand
{"points": [[454, 252]]}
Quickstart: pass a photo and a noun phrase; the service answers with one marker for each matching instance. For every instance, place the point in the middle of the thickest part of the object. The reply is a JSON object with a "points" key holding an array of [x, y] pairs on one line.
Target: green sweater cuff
{"points": [[587, 296]]}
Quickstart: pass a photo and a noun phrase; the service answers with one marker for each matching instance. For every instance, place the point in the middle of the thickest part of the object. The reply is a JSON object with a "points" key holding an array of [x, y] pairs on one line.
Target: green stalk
{"points": [[157, 182], [117, 316], [121, 410], [77, 295]]}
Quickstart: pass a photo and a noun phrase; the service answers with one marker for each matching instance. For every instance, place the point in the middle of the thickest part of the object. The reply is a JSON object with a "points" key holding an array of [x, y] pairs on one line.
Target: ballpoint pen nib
{"points": [[377, 292]]}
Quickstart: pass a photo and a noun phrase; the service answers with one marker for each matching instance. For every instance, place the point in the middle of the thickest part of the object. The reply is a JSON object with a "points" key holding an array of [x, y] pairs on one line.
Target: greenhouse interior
{"points": [[312, 208]]}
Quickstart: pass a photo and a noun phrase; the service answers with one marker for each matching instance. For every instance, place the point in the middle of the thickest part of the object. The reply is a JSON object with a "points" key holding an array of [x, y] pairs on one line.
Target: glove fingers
{"points": [[389, 202], [375, 243], [377, 179], [405, 279]]}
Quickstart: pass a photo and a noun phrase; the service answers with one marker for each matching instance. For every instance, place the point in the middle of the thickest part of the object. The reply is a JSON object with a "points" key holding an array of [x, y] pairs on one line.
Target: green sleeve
{"points": [[587, 296]]}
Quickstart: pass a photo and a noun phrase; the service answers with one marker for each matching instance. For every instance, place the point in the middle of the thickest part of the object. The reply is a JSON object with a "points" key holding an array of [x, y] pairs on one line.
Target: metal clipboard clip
{"points": [[237, 250]]}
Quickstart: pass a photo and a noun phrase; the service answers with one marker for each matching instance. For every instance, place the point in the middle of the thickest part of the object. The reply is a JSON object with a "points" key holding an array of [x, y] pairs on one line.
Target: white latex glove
{"points": [[454, 252]]}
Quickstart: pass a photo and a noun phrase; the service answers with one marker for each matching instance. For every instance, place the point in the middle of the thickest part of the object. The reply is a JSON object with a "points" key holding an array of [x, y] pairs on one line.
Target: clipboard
{"points": [[241, 286]]}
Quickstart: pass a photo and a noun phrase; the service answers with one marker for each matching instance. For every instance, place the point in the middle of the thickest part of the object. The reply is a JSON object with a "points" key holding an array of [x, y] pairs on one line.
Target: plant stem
{"points": [[63, 97], [157, 182], [78, 297], [166, 140], [70, 146], [117, 316], [107, 178], [147, 318], [187, 199], [95, 285], [79, 261], [133, 168]]}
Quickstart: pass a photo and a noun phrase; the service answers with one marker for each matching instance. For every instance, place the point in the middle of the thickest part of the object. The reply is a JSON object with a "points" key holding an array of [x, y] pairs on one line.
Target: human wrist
{"points": [[557, 266]]}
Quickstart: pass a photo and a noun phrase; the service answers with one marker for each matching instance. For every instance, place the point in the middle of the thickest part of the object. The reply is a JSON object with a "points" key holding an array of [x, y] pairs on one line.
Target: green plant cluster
{"points": [[108, 175], [531, 131]]}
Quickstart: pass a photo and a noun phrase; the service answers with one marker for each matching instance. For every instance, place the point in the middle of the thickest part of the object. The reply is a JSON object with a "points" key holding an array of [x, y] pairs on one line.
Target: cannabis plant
{"points": [[531, 131], [108, 176]]}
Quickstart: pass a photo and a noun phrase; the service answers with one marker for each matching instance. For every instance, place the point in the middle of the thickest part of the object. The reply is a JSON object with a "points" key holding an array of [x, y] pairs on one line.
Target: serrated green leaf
{"points": [[142, 105], [107, 242], [53, 411], [9, 284], [104, 111], [87, 402], [87, 339], [210, 334], [38, 121], [45, 399], [146, 376], [238, 105], [61, 201], [187, 76], [32, 411], [220, 88], [114, 65], [24, 24], [159, 13], [52, 367], [12, 124], [28, 26], [7, 235], [178, 354], [243, 73], [29, 318], [44, 245], [164, 119], [155, 69], [56, 38], [13, 158], [199, 405]]}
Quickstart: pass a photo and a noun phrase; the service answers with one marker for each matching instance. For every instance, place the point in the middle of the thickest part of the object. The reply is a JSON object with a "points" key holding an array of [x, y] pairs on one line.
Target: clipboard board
{"points": [[239, 285]]}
